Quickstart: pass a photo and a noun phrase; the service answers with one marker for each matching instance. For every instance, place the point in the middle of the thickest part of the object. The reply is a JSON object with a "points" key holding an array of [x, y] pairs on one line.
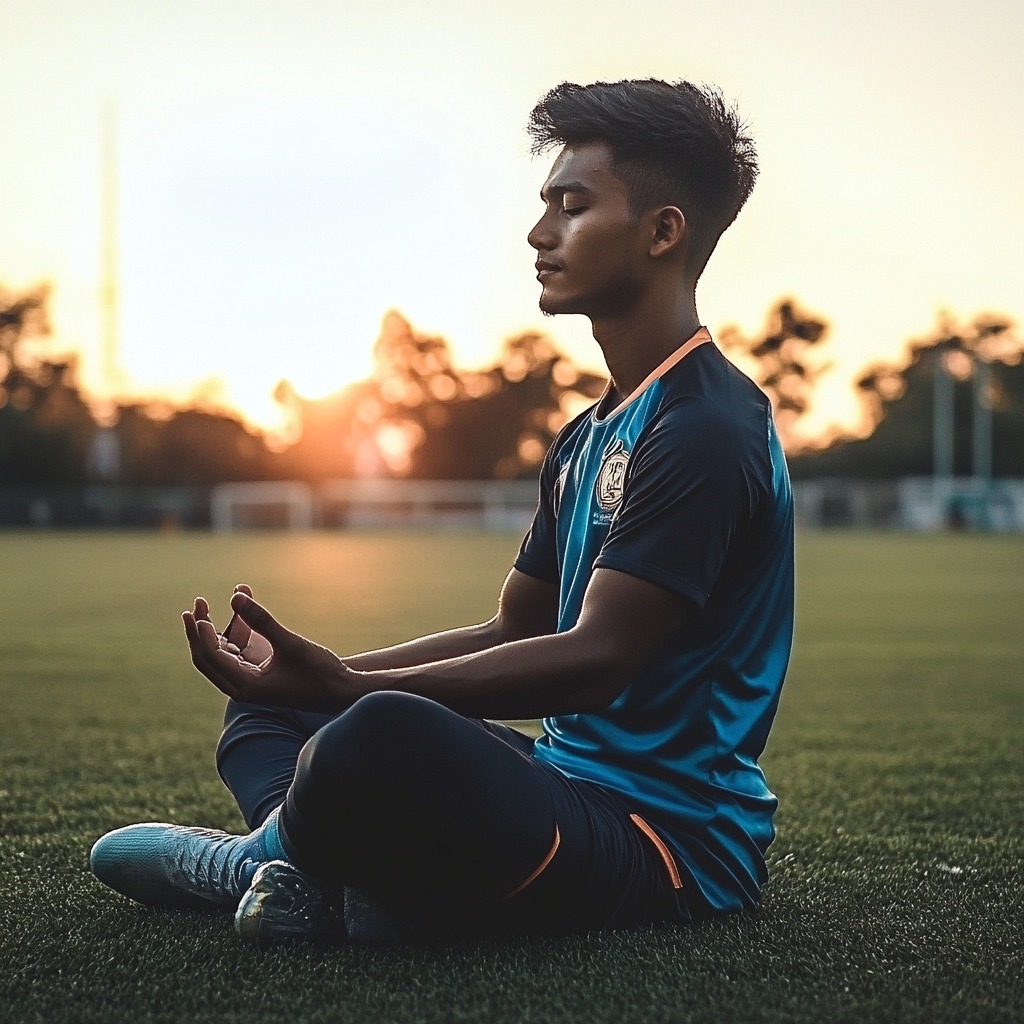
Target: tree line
{"points": [[420, 416]]}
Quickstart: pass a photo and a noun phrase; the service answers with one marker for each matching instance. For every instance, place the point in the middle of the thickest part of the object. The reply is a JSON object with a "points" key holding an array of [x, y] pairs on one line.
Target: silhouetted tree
{"points": [[47, 428], [781, 360], [899, 404], [45, 424], [163, 445], [419, 416]]}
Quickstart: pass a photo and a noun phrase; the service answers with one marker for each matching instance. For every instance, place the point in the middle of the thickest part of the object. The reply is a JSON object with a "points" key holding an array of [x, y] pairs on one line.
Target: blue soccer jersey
{"points": [[685, 485]]}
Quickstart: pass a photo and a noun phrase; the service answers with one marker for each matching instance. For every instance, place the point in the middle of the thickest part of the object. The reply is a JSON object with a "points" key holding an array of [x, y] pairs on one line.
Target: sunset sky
{"points": [[288, 171]]}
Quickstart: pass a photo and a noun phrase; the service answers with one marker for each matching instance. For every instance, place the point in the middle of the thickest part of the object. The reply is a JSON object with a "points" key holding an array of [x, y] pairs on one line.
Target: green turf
{"points": [[898, 755]]}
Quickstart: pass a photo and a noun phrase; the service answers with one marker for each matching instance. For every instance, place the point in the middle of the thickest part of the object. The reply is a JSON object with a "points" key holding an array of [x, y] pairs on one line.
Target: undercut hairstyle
{"points": [[672, 144]]}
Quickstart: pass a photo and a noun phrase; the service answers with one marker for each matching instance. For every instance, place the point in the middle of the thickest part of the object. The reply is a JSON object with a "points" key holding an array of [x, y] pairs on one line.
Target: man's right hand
{"points": [[297, 673], [240, 639]]}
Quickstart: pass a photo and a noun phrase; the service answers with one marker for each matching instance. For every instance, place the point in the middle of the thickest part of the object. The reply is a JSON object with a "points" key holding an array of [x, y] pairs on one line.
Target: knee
{"points": [[239, 716], [239, 719], [234, 710], [234, 723], [370, 737], [390, 711], [254, 721], [393, 725]]}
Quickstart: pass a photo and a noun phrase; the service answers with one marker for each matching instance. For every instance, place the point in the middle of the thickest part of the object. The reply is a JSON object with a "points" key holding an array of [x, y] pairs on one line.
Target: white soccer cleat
{"points": [[285, 905]]}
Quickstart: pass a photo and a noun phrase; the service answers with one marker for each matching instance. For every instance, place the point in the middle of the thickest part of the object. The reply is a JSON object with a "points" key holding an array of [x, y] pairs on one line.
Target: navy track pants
{"points": [[448, 819]]}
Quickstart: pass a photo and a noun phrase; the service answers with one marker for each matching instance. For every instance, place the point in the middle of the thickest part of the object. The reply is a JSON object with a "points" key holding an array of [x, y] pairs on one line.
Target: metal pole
{"points": [[982, 421], [108, 249], [942, 418]]}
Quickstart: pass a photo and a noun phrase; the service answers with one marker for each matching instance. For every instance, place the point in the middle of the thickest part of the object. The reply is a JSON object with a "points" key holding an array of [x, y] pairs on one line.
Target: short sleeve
{"points": [[538, 554], [688, 494]]}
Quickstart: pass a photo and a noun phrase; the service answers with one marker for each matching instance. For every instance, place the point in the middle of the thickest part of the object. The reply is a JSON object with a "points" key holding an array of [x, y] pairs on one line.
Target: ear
{"points": [[669, 229]]}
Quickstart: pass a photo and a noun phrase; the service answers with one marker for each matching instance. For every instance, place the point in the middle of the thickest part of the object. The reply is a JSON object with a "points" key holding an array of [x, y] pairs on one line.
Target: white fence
{"points": [[940, 503], [376, 504], [913, 503], [269, 504]]}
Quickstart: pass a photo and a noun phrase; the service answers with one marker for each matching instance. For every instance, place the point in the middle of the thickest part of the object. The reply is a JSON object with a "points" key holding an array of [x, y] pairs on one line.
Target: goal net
{"points": [[265, 505]]}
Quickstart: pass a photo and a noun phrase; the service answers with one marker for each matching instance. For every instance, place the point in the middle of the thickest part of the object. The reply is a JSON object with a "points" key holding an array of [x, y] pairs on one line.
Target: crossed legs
{"points": [[448, 818]]}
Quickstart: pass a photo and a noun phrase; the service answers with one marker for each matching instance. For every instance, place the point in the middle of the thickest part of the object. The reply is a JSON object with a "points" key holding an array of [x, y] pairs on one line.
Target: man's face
{"points": [[591, 251]]}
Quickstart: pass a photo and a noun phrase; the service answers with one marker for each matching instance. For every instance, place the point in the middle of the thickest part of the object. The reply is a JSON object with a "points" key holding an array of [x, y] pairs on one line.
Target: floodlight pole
{"points": [[109, 297], [981, 462], [942, 417]]}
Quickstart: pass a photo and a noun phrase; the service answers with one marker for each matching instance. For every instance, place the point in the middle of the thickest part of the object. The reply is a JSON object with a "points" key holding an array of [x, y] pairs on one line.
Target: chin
{"points": [[552, 305]]}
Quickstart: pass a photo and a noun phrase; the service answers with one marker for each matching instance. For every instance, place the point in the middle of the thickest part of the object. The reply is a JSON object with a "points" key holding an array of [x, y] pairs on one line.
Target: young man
{"points": [[647, 619]]}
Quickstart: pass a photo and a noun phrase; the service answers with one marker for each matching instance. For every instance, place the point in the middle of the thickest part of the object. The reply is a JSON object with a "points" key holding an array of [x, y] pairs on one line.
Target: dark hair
{"points": [[672, 144]]}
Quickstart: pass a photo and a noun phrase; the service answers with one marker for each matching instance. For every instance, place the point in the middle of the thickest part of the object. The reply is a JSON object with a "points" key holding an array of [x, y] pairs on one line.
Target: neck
{"points": [[638, 340]]}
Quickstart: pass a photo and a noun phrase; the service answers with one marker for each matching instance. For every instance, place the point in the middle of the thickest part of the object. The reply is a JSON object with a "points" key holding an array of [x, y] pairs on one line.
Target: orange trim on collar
{"points": [[702, 337]]}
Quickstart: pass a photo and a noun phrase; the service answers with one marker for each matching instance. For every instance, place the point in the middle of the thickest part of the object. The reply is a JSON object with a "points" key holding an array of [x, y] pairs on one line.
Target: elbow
{"points": [[606, 672], [507, 629], [599, 696]]}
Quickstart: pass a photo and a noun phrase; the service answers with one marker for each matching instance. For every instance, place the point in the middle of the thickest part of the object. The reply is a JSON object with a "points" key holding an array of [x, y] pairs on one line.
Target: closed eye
{"points": [[574, 211]]}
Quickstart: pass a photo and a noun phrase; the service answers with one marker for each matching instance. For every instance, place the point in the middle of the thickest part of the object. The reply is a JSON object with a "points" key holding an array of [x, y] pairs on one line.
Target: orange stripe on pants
{"points": [[673, 871]]}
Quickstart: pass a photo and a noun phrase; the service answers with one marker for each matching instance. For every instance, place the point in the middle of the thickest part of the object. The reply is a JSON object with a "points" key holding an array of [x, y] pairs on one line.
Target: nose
{"points": [[541, 236]]}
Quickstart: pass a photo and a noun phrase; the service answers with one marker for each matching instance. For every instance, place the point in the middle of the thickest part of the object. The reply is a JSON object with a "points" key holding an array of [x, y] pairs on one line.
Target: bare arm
{"points": [[624, 623], [527, 607]]}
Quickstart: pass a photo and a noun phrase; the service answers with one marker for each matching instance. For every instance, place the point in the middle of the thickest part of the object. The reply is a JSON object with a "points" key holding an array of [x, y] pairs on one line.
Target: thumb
{"points": [[257, 618]]}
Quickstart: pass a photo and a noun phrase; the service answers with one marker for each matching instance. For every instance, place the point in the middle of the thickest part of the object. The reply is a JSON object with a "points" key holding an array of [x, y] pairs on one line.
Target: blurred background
{"points": [[265, 264]]}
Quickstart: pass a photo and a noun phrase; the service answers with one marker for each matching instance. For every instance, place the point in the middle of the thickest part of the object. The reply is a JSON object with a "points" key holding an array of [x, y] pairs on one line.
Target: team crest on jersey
{"points": [[611, 479]]}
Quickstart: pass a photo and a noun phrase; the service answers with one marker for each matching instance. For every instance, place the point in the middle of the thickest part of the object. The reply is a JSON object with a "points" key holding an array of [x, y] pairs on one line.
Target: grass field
{"points": [[897, 890]]}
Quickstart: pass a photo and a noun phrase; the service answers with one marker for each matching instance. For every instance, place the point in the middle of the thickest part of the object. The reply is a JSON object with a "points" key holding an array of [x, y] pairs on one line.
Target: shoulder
{"points": [[708, 375], [709, 408]]}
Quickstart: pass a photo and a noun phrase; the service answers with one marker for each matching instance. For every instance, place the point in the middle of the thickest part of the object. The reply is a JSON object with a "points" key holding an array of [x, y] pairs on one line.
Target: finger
{"points": [[201, 608], [238, 631], [196, 647], [257, 618], [258, 649], [243, 588], [226, 645], [228, 667], [200, 660]]}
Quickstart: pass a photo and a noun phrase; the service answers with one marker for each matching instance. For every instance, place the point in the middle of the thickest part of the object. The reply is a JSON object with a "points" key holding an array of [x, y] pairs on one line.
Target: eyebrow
{"points": [[560, 188]]}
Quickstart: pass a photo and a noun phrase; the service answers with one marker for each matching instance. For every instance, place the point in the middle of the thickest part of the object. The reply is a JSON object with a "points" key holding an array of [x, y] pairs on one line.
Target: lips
{"points": [[545, 269]]}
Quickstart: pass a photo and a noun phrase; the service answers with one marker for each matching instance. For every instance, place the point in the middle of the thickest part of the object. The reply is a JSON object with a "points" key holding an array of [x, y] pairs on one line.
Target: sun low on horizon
{"points": [[277, 177]]}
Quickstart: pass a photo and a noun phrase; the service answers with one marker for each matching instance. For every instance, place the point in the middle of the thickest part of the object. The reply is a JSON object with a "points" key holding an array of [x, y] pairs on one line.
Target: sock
{"points": [[287, 847], [273, 839], [257, 848]]}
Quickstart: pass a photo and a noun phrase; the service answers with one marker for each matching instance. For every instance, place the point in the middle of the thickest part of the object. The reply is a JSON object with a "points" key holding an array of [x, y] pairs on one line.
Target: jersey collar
{"points": [[700, 338]]}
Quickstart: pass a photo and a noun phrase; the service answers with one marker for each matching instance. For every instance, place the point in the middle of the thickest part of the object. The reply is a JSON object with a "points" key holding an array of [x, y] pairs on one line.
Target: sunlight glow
{"points": [[288, 173]]}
